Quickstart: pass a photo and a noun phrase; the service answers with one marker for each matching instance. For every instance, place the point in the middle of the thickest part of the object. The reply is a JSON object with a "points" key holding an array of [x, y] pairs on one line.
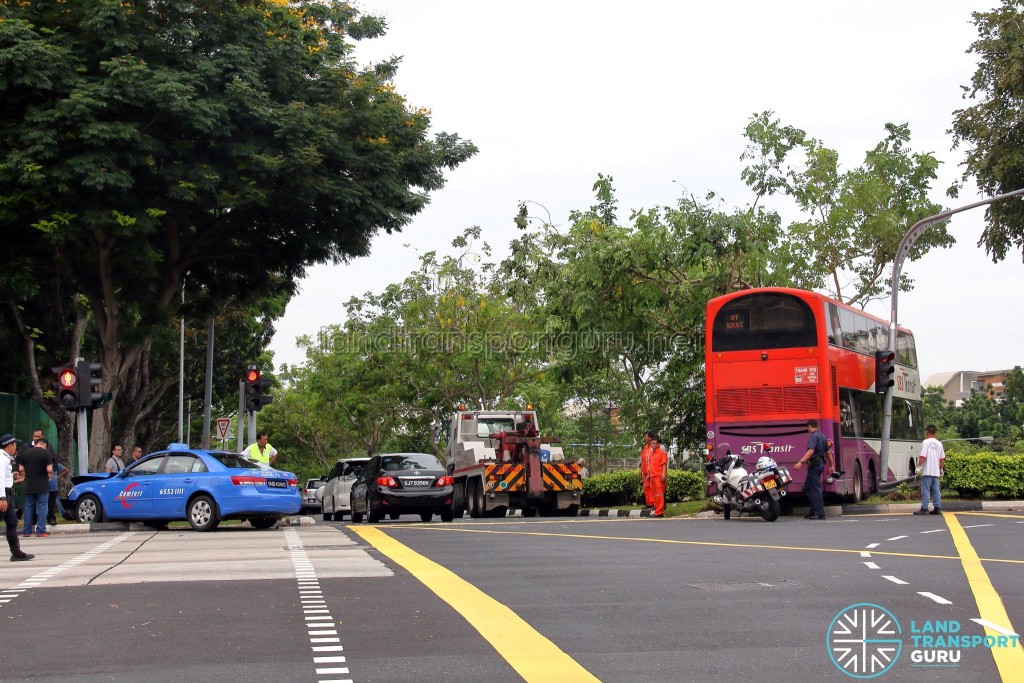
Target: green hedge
{"points": [[981, 473], [625, 488]]}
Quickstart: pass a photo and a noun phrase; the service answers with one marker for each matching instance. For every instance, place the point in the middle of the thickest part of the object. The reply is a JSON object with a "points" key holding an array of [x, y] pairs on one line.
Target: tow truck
{"points": [[500, 461]]}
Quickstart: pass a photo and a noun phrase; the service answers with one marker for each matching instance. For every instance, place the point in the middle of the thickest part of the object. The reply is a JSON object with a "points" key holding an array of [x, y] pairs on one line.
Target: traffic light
{"points": [[89, 395], [255, 388], [885, 366], [66, 386]]}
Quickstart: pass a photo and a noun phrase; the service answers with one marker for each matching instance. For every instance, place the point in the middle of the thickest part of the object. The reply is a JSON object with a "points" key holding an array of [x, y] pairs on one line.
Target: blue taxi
{"points": [[203, 487]]}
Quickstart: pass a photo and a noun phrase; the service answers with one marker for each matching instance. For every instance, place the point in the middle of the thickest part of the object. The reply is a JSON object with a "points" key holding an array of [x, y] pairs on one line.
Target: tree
{"points": [[991, 130], [627, 300], [852, 221], [143, 141], [396, 370]]}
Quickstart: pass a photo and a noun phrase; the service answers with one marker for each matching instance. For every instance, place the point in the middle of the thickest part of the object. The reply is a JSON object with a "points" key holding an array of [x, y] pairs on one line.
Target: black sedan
{"points": [[397, 483]]}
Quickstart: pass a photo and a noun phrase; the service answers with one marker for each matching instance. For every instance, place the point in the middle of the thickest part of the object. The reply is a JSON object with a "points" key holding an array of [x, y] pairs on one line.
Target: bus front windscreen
{"points": [[764, 320]]}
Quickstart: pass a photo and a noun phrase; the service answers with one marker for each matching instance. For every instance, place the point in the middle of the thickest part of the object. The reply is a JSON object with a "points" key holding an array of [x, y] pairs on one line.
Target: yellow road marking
{"points": [[716, 544], [1009, 661], [991, 514], [532, 655]]}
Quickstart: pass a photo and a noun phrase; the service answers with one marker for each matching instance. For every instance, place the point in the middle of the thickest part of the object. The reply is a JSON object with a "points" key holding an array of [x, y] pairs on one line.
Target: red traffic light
{"points": [[68, 378], [252, 375]]}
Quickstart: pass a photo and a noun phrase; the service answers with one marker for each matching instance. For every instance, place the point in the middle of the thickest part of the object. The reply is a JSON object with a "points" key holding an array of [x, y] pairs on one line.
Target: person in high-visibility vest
{"points": [[261, 451]]}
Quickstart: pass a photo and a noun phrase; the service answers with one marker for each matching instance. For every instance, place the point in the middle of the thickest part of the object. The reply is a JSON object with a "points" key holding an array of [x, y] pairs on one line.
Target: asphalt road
{"points": [[520, 599]]}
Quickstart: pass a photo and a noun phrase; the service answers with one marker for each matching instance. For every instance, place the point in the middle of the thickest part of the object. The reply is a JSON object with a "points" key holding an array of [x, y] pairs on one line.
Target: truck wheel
{"points": [[474, 499], [499, 511], [571, 511]]}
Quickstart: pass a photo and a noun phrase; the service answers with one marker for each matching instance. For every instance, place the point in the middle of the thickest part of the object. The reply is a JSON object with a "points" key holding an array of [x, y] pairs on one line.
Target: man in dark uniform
{"points": [[814, 458], [8, 446]]}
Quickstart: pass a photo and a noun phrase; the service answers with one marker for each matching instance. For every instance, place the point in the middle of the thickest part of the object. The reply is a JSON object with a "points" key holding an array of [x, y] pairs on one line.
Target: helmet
{"points": [[765, 462]]}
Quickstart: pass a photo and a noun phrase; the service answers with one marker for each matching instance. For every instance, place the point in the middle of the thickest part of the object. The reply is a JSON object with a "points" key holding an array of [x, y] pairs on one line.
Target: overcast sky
{"points": [[657, 94]]}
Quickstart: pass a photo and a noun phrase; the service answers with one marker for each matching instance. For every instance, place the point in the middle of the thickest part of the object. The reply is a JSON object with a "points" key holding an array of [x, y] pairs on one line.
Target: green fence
{"points": [[20, 416]]}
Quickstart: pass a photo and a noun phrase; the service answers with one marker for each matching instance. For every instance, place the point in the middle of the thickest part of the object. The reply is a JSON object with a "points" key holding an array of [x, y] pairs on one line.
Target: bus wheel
{"points": [[858, 484], [872, 479]]}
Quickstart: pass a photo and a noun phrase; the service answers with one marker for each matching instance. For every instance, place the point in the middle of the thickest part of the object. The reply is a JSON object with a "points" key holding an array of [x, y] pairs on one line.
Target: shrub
{"points": [[979, 473], [625, 487]]}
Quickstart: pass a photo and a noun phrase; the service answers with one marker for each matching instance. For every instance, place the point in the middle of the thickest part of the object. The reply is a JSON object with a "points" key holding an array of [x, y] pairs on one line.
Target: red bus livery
{"points": [[776, 357]]}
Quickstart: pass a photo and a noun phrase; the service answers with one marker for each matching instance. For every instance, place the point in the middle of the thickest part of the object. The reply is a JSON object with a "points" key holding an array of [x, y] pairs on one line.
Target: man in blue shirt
{"points": [[814, 458]]}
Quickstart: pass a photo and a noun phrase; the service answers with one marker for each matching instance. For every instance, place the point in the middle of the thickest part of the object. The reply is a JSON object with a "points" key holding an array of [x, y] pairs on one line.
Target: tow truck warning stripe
{"points": [[532, 655], [1009, 660], [555, 481]]}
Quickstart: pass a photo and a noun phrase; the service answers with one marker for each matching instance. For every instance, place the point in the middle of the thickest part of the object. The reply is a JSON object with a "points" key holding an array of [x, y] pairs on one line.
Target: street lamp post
{"points": [[906, 244]]}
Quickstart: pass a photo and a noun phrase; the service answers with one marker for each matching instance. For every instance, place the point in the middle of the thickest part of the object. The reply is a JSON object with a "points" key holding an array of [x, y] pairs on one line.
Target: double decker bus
{"points": [[776, 357]]}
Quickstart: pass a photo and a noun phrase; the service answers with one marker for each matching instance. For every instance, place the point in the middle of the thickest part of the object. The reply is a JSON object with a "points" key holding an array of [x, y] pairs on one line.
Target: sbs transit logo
{"points": [[864, 640]]}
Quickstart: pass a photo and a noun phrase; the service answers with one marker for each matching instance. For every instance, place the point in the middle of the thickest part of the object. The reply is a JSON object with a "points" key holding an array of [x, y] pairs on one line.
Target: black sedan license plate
{"points": [[277, 483], [416, 482]]}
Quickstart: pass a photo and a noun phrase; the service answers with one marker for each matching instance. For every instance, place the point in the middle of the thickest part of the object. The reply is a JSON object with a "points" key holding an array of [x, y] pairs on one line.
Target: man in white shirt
{"points": [[931, 464], [8, 447]]}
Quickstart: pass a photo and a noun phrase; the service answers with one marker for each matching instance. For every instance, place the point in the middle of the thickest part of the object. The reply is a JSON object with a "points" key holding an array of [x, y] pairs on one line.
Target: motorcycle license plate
{"points": [[769, 483]]}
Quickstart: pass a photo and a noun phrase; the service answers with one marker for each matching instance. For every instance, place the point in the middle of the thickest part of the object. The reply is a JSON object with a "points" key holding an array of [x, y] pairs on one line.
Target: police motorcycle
{"points": [[735, 489]]}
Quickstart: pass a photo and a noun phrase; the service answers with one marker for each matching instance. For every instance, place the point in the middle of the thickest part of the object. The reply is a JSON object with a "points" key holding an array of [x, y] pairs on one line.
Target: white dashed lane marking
{"points": [[995, 627], [975, 526], [319, 622], [39, 579], [900, 582], [895, 538], [871, 545], [937, 598], [871, 565], [933, 531]]}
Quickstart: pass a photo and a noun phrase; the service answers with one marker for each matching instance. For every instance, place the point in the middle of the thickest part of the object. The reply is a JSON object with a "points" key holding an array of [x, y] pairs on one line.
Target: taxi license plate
{"points": [[769, 483], [277, 483], [416, 482]]}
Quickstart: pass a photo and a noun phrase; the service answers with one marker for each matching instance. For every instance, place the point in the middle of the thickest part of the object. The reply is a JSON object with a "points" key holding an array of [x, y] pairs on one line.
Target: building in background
{"points": [[958, 385]]}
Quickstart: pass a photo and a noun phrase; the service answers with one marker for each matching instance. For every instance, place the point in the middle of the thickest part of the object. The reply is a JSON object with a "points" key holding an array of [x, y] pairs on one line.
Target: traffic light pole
{"points": [[252, 426], [902, 253], [241, 415], [83, 440]]}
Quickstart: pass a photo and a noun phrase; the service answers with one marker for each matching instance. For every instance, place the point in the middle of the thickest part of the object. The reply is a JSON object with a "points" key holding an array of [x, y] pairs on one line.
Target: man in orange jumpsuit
{"points": [[645, 468], [657, 468]]}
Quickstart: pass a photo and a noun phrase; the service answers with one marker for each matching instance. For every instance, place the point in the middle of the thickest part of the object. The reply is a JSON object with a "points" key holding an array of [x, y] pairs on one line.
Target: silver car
{"points": [[335, 493]]}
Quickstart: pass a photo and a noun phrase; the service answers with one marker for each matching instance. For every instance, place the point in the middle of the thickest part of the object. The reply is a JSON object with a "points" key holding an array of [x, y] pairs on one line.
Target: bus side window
{"points": [[848, 321], [906, 354], [835, 328]]}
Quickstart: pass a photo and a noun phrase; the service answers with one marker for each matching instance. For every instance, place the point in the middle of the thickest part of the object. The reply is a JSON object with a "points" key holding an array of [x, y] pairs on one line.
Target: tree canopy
{"points": [[224, 145], [992, 128]]}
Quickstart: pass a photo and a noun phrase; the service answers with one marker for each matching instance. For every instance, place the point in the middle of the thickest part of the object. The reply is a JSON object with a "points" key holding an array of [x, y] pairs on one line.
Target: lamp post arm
{"points": [[902, 252]]}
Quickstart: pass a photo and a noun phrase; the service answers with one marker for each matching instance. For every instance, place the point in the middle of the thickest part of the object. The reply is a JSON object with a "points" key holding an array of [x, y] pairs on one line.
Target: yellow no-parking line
{"points": [[532, 655], [1009, 660]]}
